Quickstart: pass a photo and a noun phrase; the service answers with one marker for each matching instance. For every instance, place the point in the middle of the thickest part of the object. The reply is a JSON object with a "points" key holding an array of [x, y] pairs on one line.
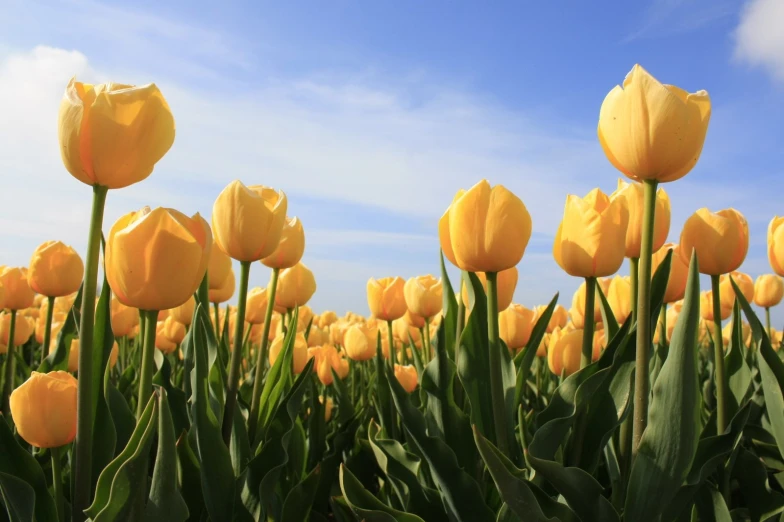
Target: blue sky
{"points": [[370, 115]]}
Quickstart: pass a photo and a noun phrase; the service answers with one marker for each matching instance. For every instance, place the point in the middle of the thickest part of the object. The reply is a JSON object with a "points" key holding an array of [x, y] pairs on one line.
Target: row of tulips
{"points": [[156, 399]]}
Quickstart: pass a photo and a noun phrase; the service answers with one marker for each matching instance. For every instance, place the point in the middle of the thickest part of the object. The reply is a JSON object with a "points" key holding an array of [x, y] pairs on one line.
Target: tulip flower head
{"points": [[423, 295], [515, 324], [679, 271], [296, 285], [56, 270], [407, 377], [300, 355], [721, 240], [290, 247], [633, 194], [386, 298], [17, 294], [44, 409], [768, 290], [360, 342]]}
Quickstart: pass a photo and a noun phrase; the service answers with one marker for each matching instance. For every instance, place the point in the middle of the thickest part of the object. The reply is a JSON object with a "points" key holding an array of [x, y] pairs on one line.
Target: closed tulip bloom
{"points": [[23, 329], [679, 271], [317, 336], [721, 240], [248, 221], [402, 329], [407, 377], [174, 330], [183, 314], [633, 194], [156, 259], [73, 355], [776, 244], [564, 352], [558, 319], [124, 318], [653, 131], [485, 229], [327, 359], [706, 307], [44, 409], [218, 268], [225, 292], [56, 270], [514, 326], [161, 341], [113, 134], [619, 295], [727, 293], [300, 355], [386, 298], [360, 342], [327, 318], [423, 295], [577, 311], [296, 285], [591, 239], [256, 305], [507, 283], [337, 332], [290, 247], [768, 290], [17, 294]]}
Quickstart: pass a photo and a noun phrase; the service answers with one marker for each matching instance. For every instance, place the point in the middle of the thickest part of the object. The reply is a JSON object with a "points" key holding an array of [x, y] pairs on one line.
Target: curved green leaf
{"points": [[18, 497], [365, 505]]}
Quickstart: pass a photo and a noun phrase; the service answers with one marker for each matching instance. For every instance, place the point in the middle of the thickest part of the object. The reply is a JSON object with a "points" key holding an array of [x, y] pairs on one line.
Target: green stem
{"points": [[496, 377], [663, 329], [767, 323], [83, 447], [641, 384], [10, 370], [57, 482], [261, 356], [150, 318], [391, 341], [236, 354], [426, 344], [218, 330], [588, 327], [718, 355], [203, 293], [634, 269], [48, 326]]}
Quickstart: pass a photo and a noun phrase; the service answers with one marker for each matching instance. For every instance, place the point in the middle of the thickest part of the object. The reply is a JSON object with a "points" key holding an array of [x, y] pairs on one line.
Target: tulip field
{"points": [[168, 390]]}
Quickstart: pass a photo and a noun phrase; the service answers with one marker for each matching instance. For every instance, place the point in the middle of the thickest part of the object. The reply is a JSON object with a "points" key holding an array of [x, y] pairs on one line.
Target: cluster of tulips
{"points": [[443, 403]]}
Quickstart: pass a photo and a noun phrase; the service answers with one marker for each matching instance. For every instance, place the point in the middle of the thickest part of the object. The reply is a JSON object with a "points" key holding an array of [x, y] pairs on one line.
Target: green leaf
{"points": [[761, 500], [191, 478], [460, 492], [738, 372], [711, 506], [382, 396], [118, 489], [670, 440], [525, 357], [365, 505], [449, 310], [343, 398], [342, 440], [177, 401], [608, 316], [58, 358], [17, 462], [18, 497], [299, 501], [165, 502], [659, 287]]}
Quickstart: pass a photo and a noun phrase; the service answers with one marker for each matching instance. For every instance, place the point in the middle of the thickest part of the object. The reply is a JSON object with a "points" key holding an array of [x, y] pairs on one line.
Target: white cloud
{"points": [[760, 35]]}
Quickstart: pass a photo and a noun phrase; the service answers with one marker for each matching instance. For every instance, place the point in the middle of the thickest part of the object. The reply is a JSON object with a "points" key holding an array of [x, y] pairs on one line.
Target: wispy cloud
{"points": [[759, 37], [669, 17]]}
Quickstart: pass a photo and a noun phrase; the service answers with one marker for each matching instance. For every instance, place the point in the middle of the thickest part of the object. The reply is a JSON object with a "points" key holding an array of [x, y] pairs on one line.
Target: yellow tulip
{"points": [[24, 327], [679, 271], [591, 239], [300, 356], [327, 408], [327, 359], [558, 319], [768, 290], [564, 352], [507, 283], [577, 312], [256, 305], [173, 330], [413, 319], [58, 319], [156, 259], [56, 270], [485, 229], [706, 307], [219, 268], [296, 285], [776, 244], [248, 221], [514, 326], [407, 377], [327, 318], [619, 295], [44, 409], [386, 298], [113, 134], [225, 292], [653, 131], [304, 317], [633, 194], [183, 314], [73, 355], [745, 335], [316, 336], [290, 247], [17, 294], [423, 295], [721, 240], [162, 342], [402, 329], [124, 318], [727, 293], [360, 342]]}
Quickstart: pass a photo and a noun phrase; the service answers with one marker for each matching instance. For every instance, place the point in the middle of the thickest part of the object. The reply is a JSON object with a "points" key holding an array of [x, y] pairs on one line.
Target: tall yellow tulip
{"points": [[619, 295], [776, 244], [423, 295], [515, 324], [721, 240], [768, 291], [295, 287], [56, 270], [386, 298], [44, 409]]}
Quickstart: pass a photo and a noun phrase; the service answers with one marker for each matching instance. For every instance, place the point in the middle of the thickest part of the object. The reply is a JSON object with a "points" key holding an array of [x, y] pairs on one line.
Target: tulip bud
{"points": [[727, 292], [386, 298], [423, 296], [564, 352], [679, 271], [721, 240], [768, 290], [17, 294], [706, 307], [653, 131], [256, 305], [23, 329], [290, 247], [327, 359], [225, 292], [156, 259], [558, 318], [44, 409], [173, 330], [296, 285], [407, 377], [633, 194], [300, 356], [113, 134], [619, 295], [360, 342], [56, 270], [485, 229], [162, 342], [591, 239], [514, 326], [248, 221], [124, 318], [327, 318], [402, 330]]}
